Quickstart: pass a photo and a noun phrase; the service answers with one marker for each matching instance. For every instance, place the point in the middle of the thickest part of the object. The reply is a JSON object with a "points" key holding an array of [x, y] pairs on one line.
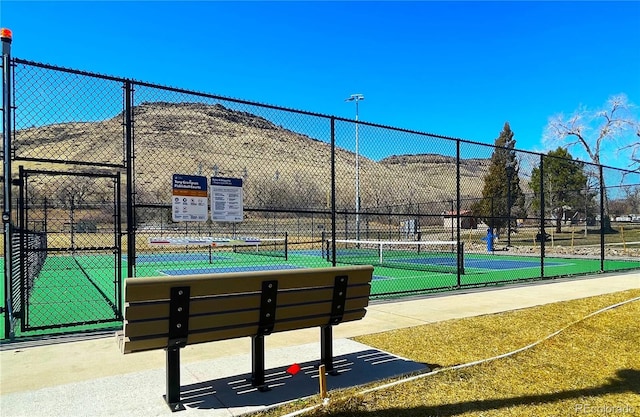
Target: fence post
{"points": [[333, 191], [117, 244], [458, 247], [131, 221], [543, 234], [6, 38], [602, 221]]}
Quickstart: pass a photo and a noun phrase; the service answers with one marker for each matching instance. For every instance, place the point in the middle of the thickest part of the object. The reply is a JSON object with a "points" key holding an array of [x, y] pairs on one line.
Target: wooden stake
{"points": [[573, 232], [322, 379]]}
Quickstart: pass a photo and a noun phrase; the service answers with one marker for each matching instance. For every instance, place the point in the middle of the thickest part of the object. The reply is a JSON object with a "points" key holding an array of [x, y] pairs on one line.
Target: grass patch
{"points": [[592, 367]]}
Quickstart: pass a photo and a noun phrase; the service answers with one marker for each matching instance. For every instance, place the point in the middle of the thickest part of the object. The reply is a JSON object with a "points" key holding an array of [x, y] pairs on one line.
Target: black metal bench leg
{"points": [[173, 379], [326, 349], [257, 363]]}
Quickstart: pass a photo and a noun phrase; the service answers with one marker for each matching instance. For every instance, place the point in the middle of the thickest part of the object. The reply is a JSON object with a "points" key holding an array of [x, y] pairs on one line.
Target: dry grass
{"points": [[593, 364]]}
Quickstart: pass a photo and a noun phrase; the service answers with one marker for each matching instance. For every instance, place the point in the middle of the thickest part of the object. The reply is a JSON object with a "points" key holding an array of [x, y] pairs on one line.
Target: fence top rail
{"points": [[291, 110]]}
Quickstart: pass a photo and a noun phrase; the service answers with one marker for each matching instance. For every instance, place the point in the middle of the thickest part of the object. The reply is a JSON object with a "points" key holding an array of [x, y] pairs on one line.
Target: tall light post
{"points": [[357, 98]]}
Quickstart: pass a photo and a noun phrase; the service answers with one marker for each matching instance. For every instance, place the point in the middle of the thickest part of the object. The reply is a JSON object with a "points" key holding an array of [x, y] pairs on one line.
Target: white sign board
{"points": [[189, 198], [226, 200]]}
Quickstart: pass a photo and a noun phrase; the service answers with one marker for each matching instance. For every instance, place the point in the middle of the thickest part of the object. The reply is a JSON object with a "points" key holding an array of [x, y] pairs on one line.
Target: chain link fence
{"points": [[94, 157]]}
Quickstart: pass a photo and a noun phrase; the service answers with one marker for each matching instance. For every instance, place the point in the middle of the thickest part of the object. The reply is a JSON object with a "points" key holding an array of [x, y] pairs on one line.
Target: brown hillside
{"points": [[280, 167]]}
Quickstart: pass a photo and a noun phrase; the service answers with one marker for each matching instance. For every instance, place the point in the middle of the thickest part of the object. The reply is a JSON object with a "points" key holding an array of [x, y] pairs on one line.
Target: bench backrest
{"points": [[232, 305]]}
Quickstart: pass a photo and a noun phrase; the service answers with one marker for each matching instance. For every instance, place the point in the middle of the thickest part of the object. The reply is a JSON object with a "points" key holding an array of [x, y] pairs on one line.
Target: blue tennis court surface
{"points": [[381, 278], [494, 264], [469, 262], [227, 269], [449, 261], [307, 252], [504, 264]]}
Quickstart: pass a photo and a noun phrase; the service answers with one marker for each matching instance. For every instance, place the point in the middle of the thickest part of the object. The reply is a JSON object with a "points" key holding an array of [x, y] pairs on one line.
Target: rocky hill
{"points": [[281, 168], [471, 165]]}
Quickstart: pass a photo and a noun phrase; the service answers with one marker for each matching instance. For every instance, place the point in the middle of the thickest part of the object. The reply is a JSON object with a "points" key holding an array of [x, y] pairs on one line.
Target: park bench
{"points": [[171, 312]]}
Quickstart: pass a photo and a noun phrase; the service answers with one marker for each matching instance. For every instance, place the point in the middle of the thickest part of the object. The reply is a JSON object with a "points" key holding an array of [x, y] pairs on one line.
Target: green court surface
{"points": [[79, 293]]}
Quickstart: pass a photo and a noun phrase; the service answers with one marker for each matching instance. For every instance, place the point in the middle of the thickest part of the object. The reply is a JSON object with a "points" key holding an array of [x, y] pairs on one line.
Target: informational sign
{"points": [[189, 198], [226, 200]]}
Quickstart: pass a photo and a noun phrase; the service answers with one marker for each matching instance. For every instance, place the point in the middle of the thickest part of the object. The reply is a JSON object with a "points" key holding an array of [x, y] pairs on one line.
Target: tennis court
{"points": [[403, 271], [75, 289], [399, 271]]}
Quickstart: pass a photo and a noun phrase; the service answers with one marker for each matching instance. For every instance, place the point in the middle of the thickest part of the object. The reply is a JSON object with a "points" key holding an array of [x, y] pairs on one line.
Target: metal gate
{"points": [[67, 249]]}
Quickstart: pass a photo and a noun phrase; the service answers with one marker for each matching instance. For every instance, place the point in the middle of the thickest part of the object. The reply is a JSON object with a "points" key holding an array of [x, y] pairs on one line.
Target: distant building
{"points": [[467, 220], [409, 228], [623, 219]]}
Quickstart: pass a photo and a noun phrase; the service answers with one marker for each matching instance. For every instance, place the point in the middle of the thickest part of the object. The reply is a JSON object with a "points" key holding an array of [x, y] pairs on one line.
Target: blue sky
{"points": [[453, 68]]}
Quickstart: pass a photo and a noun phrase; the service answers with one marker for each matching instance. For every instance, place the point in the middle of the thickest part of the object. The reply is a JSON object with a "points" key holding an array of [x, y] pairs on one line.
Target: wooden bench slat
{"points": [[160, 309], [314, 295], [130, 345], [241, 319], [304, 323], [285, 313], [161, 326], [158, 288], [218, 304]]}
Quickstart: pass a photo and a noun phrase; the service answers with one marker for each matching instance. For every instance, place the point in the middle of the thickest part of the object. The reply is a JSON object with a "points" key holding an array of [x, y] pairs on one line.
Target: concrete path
{"points": [[89, 376]]}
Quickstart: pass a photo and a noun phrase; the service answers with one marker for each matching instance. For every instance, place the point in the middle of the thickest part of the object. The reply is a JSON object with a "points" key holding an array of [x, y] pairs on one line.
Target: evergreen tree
{"points": [[502, 198], [563, 181]]}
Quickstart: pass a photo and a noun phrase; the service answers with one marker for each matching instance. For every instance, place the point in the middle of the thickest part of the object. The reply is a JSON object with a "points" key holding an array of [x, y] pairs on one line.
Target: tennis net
{"points": [[196, 247], [435, 256], [276, 247]]}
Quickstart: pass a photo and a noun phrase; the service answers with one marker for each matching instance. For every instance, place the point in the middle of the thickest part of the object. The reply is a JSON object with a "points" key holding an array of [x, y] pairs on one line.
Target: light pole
{"points": [[357, 98]]}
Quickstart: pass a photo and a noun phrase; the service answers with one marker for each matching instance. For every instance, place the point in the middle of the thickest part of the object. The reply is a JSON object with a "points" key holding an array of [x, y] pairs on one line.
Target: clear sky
{"points": [[452, 68]]}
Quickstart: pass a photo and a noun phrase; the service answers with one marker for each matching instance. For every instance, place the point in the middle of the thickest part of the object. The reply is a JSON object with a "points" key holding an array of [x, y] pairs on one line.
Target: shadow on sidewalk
{"points": [[289, 383]]}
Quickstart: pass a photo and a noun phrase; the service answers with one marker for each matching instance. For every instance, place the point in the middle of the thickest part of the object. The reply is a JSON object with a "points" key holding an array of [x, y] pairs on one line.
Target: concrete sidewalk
{"points": [[89, 375]]}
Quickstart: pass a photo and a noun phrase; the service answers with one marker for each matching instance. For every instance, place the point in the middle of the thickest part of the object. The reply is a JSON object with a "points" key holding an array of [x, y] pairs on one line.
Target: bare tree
{"points": [[616, 124], [614, 127], [74, 192], [634, 147]]}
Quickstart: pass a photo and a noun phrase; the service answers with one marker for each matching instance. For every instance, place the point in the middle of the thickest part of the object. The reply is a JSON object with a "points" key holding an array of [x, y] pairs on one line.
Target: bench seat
{"points": [[170, 312]]}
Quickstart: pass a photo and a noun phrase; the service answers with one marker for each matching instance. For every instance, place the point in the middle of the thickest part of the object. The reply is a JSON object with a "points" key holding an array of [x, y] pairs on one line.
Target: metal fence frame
{"points": [[337, 214]]}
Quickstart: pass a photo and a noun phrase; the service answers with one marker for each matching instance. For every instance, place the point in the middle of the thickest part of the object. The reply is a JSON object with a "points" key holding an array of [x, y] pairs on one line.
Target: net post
{"points": [[328, 251], [286, 246]]}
